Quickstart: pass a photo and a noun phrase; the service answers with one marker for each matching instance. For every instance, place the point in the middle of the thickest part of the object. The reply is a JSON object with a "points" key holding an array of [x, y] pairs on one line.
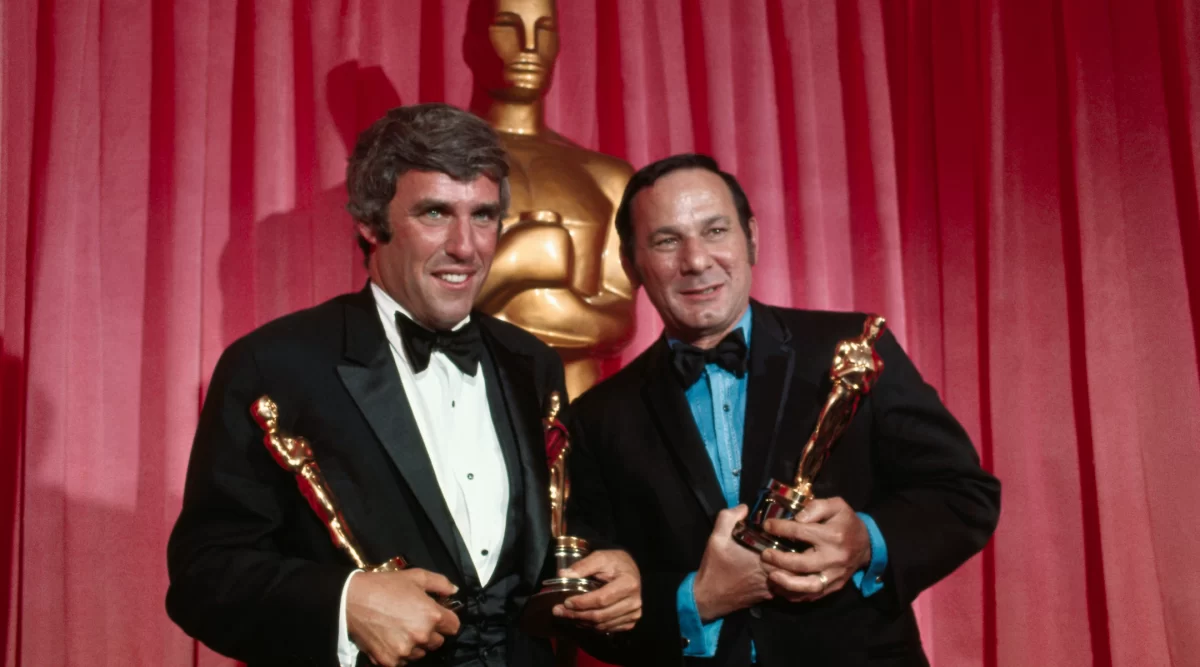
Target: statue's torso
{"points": [[549, 176], [590, 309]]}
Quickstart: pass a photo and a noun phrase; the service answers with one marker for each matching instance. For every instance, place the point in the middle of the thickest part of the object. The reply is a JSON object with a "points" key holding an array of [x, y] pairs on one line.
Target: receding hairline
{"points": [[727, 194]]}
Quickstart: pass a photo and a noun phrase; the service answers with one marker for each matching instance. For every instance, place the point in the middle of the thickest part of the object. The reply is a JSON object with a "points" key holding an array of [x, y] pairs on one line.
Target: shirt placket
{"points": [[719, 384]]}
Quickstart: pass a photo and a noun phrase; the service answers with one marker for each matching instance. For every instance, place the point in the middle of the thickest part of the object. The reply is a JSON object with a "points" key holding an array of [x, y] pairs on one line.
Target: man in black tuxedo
{"points": [[671, 450], [424, 417]]}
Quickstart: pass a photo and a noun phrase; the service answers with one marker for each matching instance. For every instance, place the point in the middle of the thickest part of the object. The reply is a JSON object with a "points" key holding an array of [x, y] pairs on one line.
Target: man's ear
{"points": [[752, 241], [368, 234], [631, 271]]}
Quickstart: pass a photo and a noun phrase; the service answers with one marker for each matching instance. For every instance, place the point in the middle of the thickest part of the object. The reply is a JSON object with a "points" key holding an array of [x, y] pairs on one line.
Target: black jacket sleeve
{"points": [[231, 587], [938, 506]]}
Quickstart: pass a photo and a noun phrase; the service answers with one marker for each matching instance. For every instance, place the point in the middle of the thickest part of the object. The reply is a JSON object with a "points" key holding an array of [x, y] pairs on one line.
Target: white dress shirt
{"points": [[452, 413]]}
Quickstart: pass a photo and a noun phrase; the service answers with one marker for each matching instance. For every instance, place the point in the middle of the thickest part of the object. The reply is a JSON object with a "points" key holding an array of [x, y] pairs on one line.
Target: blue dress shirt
{"points": [[718, 404]]}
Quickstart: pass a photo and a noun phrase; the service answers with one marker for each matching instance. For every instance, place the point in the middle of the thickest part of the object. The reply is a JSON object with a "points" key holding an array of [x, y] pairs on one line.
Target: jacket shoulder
{"points": [[312, 331], [817, 326], [619, 388], [512, 336]]}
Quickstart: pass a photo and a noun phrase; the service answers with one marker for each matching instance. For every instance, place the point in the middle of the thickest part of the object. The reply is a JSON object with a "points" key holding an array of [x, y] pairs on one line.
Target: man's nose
{"points": [[460, 242], [696, 258]]}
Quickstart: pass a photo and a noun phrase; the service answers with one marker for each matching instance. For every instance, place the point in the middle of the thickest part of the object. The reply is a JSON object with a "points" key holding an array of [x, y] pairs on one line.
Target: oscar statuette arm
{"points": [[612, 176], [539, 235], [536, 252]]}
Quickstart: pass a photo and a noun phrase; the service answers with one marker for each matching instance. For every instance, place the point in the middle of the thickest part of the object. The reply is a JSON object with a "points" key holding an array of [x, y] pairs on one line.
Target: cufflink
{"points": [[684, 641], [879, 580]]}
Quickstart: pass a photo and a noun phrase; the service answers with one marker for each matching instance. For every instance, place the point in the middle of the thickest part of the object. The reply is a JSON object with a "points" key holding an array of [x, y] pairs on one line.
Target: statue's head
{"points": [[524, 34]]}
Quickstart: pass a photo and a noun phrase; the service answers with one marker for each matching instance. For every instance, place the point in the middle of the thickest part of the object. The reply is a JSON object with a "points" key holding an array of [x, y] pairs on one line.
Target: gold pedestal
{"points": [[538, 619]]}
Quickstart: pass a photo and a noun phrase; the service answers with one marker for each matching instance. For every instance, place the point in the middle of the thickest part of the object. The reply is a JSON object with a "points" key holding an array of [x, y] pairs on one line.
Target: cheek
{"points": [[657, 272], [486, 241], [734, 262], [505, 41], [393, 259], [419, 246], [548, 46]]}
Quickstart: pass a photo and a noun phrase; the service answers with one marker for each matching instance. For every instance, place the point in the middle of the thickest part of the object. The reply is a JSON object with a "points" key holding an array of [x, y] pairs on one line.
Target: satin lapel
{"points": [[369, 374], [677, 426], [776, 386], [520, 396]]}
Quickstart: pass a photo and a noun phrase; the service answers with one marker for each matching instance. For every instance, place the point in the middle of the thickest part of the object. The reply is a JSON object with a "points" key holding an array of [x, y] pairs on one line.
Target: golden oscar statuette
{"points": [[295, 455], [538, 620], [854, 371], [557, 268]]}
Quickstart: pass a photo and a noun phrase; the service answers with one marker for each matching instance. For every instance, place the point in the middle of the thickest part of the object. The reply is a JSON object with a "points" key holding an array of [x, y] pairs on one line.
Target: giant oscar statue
{"points": [[557, 271]]}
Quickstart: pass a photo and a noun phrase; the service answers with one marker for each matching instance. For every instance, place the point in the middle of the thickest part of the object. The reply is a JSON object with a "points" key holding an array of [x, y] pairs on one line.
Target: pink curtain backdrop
{"points": [[1012, 182]]}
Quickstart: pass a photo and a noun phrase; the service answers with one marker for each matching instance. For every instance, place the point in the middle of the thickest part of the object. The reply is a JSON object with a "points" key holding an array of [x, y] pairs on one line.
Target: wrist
{"points": [[864, 557], [705, 606], [865, 552]]}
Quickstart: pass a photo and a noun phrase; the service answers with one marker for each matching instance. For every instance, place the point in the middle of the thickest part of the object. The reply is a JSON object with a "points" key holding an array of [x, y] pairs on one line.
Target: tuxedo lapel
{"points": [[518, 397], [369, 373], [677, 426], [775, 387]]}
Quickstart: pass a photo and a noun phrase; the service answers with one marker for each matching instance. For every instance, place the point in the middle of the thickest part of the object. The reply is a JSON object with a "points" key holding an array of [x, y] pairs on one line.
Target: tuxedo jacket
{"points": [[254, 573], [641, 477]]}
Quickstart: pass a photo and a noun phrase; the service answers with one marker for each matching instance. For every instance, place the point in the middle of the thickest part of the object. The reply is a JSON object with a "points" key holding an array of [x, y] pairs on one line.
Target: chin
{"points": [[456, 312], [521, 88]]}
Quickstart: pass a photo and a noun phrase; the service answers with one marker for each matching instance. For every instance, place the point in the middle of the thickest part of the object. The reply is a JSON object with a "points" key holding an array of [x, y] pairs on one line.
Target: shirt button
{"points": [[470, 475], [484, 552], [452, 403], [726, 407]]}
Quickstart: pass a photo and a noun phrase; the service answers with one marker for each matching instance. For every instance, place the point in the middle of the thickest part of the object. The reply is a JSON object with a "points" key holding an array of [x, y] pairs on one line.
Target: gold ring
{"points": [[824, 580]]}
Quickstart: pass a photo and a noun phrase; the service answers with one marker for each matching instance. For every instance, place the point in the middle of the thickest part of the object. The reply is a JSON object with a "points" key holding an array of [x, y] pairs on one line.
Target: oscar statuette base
{"points": [[538, 619], [777, 501]]}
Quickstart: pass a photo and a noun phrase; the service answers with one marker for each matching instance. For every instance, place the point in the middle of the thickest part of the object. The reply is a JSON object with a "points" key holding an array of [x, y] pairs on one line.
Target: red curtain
{"points": [[1012, 182]]}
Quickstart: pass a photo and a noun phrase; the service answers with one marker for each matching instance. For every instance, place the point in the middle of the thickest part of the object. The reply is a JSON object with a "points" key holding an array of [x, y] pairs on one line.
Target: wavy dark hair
{"points": [[649, 174], [425, 137]]}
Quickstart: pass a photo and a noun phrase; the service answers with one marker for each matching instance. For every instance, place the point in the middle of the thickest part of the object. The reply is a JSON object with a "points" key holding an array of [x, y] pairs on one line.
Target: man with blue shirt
{"points": [[670, 451]]}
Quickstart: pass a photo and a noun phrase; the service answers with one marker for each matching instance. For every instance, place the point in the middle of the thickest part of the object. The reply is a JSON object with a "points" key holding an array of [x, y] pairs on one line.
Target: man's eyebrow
{"points": [[665, 229], [675, 229], [490, 209], [429, 204]]}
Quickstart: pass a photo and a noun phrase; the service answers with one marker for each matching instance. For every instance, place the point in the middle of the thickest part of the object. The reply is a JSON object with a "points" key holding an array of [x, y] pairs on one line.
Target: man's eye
{"points": [[717, 231], [664, 243], [433, 214]]}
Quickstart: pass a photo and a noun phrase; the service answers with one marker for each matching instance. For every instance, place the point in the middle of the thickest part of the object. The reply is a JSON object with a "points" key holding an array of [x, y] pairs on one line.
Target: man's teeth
{"points": [[454, 277]]}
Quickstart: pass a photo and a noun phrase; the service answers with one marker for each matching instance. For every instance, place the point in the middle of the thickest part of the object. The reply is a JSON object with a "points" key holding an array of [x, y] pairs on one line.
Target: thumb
{"points": [[727, 519], [433, 582]]}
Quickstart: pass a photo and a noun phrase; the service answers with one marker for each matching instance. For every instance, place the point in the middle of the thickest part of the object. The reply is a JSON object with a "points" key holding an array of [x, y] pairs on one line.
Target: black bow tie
{"points": [[461, 346], [689, 361]]}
